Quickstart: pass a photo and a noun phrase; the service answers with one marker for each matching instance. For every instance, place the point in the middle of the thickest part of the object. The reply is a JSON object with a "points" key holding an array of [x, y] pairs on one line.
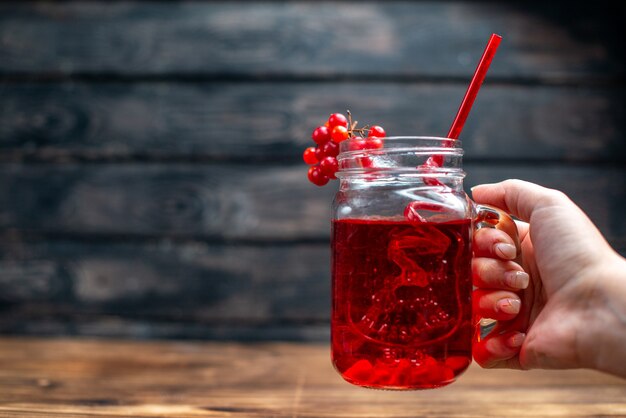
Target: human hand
{"points": [[562, 304]]}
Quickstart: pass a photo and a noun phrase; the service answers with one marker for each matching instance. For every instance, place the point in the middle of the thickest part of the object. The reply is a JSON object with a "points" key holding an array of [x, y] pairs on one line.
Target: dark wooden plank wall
{"points": [[150, 151]]}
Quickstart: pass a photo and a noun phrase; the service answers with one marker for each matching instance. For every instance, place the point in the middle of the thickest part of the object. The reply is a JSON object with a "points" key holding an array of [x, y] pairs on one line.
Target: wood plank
{"points": [[415, 39], [165, 290], [83, 282], [273, 120], [65, 378], [237, 202], [32, 320], [150, 287]]}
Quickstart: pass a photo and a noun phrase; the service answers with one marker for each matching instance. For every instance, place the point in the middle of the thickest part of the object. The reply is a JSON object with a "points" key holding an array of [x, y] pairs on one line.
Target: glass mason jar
{"points": [[401, 264]]}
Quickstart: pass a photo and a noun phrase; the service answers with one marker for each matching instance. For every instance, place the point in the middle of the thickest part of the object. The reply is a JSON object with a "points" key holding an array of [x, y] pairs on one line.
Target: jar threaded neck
{"points": [[404, 157]]}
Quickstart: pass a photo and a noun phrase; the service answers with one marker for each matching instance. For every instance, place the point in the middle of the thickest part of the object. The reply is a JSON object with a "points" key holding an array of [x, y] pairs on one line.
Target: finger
{"points": [[497, 274], [490, 242], [499, 351], [516, 197], [501, 305]]}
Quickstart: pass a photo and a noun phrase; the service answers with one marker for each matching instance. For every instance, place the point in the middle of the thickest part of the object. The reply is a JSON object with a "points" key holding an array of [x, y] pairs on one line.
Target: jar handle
{"points": [[492, 217]]}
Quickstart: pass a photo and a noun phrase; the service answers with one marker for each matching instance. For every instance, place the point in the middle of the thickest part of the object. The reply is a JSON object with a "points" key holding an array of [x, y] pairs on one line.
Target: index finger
{"points": [[517, 197]]}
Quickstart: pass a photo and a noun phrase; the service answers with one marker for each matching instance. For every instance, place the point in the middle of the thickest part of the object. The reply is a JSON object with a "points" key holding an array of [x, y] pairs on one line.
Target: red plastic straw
{"points": [[470, 96], [472, 90]]}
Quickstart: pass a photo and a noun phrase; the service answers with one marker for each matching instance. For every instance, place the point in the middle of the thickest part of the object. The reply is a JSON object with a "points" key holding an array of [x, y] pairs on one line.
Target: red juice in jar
{"points": [[401, 302]]}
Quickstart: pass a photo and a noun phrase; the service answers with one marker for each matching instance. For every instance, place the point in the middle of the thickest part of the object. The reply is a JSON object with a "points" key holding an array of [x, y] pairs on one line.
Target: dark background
{"points": [[151, 182]]}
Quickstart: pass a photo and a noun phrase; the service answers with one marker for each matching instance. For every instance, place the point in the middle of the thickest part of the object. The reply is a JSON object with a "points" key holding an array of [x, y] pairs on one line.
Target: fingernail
{"points": [[481, 185], [516, 279], [516, 340], [506, 251], [508, 305]]}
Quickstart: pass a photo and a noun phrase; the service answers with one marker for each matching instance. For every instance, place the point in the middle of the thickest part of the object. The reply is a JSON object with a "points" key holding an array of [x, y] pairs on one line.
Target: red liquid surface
{"points": [[401, 314]]}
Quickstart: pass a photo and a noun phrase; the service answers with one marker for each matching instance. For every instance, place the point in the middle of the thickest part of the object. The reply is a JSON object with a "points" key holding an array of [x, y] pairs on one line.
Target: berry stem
{"points": [[364, 131]]}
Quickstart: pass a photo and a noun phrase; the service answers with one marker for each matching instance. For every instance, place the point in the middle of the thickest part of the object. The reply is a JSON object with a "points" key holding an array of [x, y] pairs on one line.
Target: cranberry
{"points": [[337, 119], [316, 176], [321, 135], [339, 133], [319, 153], [329, 167], [377, 131], [357, 143], [374, 142], [309, 156], [330, 149], [323, 157]]}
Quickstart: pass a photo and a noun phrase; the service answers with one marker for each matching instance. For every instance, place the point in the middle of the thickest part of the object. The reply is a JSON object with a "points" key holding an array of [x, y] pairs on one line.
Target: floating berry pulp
{"points": [[401, 309]]}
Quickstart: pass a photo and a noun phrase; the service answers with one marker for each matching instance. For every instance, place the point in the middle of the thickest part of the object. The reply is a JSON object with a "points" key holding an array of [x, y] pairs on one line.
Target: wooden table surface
{"points": [[77, 377]]}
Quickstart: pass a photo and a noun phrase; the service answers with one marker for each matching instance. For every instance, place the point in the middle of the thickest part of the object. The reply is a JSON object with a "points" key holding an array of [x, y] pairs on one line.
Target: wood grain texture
{"points": [[272, 121], [260, 271], [67, 378], [148, 154], [54, 321], [236, 202], [265, 38], [193, 281]]}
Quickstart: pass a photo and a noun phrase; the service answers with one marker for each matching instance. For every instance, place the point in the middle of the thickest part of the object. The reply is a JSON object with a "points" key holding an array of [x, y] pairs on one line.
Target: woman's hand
{"points": [[562, 303]]}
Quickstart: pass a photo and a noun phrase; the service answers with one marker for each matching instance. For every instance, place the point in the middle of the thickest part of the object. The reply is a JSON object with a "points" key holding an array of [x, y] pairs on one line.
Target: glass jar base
{"points": [[403, 388], [405, 374]]}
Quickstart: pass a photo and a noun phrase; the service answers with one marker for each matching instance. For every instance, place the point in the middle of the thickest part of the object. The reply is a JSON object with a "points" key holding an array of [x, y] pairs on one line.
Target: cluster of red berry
{"points": [[323, 157]]}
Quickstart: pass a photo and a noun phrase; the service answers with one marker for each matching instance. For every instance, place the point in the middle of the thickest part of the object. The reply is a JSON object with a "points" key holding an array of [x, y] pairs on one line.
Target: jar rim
{"points": [[420, 142], [442, 139], [425, 137], [403, 154]]}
